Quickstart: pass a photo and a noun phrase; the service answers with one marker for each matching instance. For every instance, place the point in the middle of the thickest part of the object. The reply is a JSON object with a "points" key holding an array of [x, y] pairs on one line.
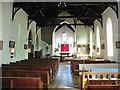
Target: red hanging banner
{"points": [[64, 47]]}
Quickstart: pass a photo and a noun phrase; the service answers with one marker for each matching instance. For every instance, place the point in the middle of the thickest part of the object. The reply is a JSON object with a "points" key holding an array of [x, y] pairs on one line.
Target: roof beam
{"points": [[80, 17], [66, 24], [93, 11], [35, 13], [39, 9]]}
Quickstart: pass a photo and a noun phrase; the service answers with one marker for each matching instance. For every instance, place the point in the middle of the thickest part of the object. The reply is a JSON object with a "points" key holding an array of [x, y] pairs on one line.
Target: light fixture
{"points": [[59, 4], [62, 4]]}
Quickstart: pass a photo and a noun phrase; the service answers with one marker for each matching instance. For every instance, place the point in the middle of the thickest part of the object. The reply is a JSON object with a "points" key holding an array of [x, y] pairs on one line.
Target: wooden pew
{"points": [[98, 75], [103, 85], [6, 82], [41, 62], [75, 63], [30, 64], [53, 63], [23, 83], [97, 66], [45, 69], [54, 71], [24, 73], [31, 68]]}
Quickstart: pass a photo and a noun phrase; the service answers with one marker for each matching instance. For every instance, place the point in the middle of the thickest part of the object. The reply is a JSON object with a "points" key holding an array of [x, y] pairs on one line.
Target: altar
{"points": [[64, 53]]}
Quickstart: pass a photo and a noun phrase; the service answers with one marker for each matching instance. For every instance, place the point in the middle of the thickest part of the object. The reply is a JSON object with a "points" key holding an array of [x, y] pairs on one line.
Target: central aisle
{"points": [[64, 77]]}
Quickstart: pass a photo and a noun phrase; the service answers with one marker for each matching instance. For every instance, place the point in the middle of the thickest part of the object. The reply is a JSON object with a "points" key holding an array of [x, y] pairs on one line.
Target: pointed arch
{"points": [[54, 43]]}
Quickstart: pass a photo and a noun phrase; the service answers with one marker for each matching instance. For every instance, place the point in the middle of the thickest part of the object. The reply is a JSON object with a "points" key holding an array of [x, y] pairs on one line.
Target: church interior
{"points": [[60, 45]]}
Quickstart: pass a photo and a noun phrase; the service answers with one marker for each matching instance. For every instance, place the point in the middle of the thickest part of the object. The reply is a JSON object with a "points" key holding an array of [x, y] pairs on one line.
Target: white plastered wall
{"points": [[14, 30], [109, 12], [82, 35], [1, 31], [119, 32]]}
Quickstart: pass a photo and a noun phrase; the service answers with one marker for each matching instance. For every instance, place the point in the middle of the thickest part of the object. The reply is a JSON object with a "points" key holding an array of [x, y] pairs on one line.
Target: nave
{"points": [[65, 78], [86, 33]]}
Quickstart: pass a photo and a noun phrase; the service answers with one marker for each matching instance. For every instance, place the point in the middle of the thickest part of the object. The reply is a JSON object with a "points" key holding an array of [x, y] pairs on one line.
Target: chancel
{"points": [[62, 44]]}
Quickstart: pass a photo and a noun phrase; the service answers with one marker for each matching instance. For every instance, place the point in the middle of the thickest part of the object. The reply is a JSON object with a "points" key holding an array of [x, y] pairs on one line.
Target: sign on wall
{"points": [[1, 45], [83, 49]]}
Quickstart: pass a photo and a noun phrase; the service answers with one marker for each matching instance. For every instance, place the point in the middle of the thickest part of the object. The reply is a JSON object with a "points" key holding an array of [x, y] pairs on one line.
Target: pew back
{"points": [[6, 81], [103, 85], [105, 66], [24, 73], [23, 83], [99, 76]]}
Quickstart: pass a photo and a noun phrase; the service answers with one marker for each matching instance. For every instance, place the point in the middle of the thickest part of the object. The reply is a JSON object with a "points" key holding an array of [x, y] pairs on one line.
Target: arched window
{"points": [[91, 50], [98, 40], [64, 37], [109, 33]]}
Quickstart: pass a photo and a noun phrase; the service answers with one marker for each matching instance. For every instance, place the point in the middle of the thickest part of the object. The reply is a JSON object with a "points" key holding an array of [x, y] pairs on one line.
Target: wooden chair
{"points": [[26, 83]]}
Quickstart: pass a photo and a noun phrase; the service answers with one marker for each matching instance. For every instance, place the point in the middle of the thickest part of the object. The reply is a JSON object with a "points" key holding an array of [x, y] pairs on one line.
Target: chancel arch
{"points": [[63, 39]]}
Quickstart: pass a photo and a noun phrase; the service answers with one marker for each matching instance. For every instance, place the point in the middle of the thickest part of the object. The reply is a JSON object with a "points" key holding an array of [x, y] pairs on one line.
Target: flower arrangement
{"points": [[84, 70]]}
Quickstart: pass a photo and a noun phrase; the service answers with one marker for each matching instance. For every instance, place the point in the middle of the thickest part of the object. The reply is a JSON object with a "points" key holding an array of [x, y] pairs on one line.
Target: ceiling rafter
{"points": [[35, 12], [86, 12], [46, 13], [94, 12], [39, 10]]}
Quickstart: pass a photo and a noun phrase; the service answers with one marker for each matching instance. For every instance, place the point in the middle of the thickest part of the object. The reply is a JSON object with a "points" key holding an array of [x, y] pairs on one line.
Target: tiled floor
{"points": [[65, 79]]}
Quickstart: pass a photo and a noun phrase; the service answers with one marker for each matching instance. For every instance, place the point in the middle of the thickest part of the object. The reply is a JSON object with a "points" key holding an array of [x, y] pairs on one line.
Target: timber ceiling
{"points": [[46, 13]]}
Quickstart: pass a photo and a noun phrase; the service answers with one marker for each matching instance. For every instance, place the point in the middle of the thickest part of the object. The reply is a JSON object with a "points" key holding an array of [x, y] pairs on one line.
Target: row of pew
{"points": [[91, 78], [100, 81], [43, 68], [75, 63]]}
